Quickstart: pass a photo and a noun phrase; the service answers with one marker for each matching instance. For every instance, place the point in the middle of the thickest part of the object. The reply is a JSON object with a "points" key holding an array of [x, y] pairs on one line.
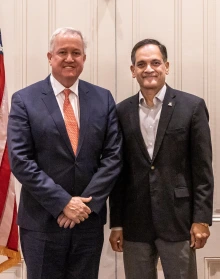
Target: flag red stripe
{"points": [[2, 78], [4, 179]]}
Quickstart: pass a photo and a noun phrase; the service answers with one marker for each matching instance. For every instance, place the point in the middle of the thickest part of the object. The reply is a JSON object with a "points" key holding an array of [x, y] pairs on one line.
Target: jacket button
{"points": [[152, 167]]}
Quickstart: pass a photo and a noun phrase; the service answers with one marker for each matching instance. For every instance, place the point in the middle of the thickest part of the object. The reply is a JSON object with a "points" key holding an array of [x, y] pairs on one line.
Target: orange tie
{"points": [[70, 121]]}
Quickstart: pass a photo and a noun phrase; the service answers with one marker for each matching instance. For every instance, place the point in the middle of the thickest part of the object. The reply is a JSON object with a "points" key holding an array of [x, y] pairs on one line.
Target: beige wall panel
{"points": [[24, 42], [156, 20], [193, 47], [81, 15], [106, 45], [35, 43], [214, 85], [96, 20], [124, 44], [137, 20], [105, 69], [211, 86], [71, 13], [200, 75]]}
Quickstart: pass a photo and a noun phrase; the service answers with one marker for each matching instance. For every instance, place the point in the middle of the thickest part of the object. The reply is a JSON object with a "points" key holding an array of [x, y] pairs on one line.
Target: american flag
{"points": [[8, 209]]}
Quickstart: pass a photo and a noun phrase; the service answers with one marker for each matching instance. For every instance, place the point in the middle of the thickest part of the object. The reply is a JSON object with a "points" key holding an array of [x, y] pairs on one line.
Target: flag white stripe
{"points": [[3, 123]]}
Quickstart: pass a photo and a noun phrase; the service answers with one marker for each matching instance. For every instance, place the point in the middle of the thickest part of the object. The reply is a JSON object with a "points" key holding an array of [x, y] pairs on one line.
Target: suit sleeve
{"points": [[110, 166], [201, 158], [23, 161]]}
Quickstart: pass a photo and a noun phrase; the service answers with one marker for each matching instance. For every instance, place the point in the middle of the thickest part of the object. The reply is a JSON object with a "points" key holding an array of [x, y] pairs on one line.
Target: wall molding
{"points": [[178, 44], [135, 35], [216, 218], [51, 22], [93, 24], [210, 92], [209, 54], [212, 268], [21, 42], [18, 272]]}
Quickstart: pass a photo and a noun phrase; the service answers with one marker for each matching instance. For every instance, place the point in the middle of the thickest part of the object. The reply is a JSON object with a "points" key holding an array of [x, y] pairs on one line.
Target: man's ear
{"points": [[132, 68], [167, 65], [49, 56]]}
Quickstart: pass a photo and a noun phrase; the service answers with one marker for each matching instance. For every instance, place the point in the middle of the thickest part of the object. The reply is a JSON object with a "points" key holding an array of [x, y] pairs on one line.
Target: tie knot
{"points": [[66, 92]]}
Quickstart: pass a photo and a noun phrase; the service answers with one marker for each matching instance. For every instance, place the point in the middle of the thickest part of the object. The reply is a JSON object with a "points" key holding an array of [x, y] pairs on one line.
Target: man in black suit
{"points": [[65, 149], [162, 204]]}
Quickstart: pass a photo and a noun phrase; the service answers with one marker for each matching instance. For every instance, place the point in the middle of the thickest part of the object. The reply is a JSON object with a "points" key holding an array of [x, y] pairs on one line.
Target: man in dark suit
{"points": [[162, 204], [65, 149]]}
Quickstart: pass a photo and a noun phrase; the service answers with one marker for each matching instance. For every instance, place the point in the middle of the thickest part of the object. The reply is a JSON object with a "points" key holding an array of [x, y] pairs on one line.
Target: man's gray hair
{"points": [[63, 31]]}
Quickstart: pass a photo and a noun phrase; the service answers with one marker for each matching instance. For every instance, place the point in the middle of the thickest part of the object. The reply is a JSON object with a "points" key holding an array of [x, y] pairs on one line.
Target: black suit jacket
{"points": [[162, 197], [42, 158]]}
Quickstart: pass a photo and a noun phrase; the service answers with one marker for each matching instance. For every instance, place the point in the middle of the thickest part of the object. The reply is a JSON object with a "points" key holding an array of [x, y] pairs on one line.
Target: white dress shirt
{"points": [[73, 97], [149, 118]]}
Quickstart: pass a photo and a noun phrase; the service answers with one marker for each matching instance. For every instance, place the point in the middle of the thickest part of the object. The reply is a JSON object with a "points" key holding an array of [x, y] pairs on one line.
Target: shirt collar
{"points": [[58, 87], [158, 97]]}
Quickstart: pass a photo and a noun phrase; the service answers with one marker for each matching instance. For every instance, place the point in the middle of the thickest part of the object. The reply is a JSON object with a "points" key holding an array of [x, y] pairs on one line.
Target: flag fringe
{"points": [[14, 257]]}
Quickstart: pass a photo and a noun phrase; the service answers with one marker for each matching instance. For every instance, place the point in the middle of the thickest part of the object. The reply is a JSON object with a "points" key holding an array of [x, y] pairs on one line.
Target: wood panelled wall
{"points": [[189, 29]]}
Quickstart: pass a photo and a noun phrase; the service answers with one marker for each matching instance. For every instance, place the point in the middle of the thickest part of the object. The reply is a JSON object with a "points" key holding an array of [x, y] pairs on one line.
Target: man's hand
{"points": [[199, 235], [65, 222], [76, 211], [116, 240]]}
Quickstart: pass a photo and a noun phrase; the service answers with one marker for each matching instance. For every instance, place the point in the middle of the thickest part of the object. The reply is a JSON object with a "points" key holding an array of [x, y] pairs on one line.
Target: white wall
{"points": [[189, 29]]}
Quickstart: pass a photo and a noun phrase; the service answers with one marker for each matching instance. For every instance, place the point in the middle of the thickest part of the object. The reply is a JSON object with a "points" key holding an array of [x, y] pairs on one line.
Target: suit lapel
{"points": [[166, 113], [84, 112], [50, 101], [135, 125]]}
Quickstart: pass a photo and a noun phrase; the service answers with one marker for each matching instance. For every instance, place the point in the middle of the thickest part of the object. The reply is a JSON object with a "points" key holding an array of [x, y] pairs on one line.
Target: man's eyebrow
{"points": [[140, 61]]}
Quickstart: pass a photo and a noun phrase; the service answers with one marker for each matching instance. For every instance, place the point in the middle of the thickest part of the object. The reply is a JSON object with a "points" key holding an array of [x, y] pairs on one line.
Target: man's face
{"points": [[150, 70], [67, 58]]}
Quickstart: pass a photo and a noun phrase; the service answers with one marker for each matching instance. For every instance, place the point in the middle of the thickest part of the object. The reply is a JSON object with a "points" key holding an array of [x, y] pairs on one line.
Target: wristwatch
{"points": [[204, 224]]}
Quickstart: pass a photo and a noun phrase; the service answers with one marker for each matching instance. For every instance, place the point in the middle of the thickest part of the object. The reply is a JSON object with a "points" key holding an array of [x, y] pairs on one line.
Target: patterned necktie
{"points": [[70, 121]]}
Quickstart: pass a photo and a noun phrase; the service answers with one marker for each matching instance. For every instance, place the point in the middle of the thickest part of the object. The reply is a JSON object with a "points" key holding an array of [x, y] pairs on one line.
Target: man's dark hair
{"points": [[144, 42]]}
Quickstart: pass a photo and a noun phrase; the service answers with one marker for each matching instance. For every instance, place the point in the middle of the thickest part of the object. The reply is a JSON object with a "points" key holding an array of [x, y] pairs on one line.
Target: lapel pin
{"points": [[170, 104]]}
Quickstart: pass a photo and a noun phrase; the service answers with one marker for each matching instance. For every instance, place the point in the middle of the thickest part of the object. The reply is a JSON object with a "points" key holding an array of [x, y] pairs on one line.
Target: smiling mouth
{"points": [[69, 67]]}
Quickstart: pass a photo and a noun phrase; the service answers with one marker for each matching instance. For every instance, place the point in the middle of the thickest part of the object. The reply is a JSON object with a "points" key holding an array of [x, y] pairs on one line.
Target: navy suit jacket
{"points": [[42, 159], [163, 196]]}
